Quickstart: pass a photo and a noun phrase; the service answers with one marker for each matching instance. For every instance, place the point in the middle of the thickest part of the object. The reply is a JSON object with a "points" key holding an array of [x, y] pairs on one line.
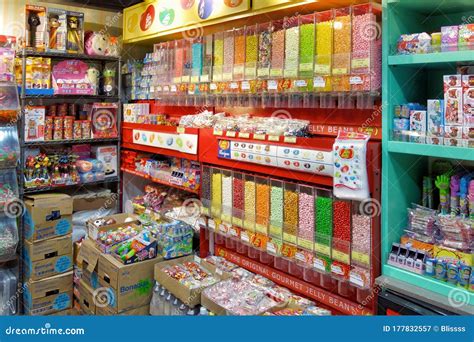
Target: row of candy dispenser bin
{"points": [[335, 51], [299, 229]]}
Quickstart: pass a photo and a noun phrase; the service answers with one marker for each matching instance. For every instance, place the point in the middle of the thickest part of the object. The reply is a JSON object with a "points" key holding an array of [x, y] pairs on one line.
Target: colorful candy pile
{"points": [[191, 275]]}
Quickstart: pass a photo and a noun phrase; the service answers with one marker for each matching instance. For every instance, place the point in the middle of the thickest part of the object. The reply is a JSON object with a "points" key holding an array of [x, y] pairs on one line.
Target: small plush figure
{"points": [[96, 44]]}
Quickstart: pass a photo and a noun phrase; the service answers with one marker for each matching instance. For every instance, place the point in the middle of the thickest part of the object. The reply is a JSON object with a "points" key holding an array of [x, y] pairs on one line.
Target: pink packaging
{"points": [[449, 38], [82, 151], [468, 81], [468, 133], [468, 103], [453, 106], [451, 81]]}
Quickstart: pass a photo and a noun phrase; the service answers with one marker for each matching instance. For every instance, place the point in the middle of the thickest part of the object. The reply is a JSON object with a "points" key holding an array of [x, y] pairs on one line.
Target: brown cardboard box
{"points": [[47, 258], [88, 257], [141, 311], [132, 285], [93, 230], [93, 201], [76, 247], [68, 312], [87, 299], [47, 216], [48, 295], [190, 297]]}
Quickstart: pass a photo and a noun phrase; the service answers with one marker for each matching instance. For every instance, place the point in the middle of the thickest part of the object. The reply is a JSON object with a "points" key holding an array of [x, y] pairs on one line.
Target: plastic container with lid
{"points": [[292, 44], [251, 52], [218, 57], [8, 290], [239, 54], [307, 41], [264, 32], [229, 50], [8, 238], [9, 147]]}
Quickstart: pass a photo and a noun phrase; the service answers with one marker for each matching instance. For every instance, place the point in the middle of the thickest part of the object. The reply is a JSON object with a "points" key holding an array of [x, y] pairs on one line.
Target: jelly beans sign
{"points": [[350, 168]]}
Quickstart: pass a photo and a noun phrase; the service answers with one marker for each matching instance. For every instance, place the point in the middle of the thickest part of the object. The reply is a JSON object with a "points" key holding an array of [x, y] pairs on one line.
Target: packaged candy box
{"points": [[435, 117], [449, 38], [415, 43], [466, 37], [453, 106]]}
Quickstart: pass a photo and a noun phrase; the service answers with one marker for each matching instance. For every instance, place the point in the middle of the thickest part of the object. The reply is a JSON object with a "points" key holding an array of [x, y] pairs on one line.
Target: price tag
{"points": [[185, 79], [259, 136], [180, 130], [174, 89], [360, 63], [234, 85], [276, 72], [301, 83], [339, 71], [230, 134], [159, 89], [244, 135], [245, 85], [300, 257], [227, 76], [360, 257], [356, 279], [239, 70], [197, 259], [233, 232], [340, 256], [319, 82], [176, 79], [223, 228], [213, 86], [322, 248], [290, 140], [166, 89], [250, 72], [204, 78], [291, 73], [271, 248], [273, 138], [336, 269], [289, 238], [355, 80], [272, 85], [319, 264], [194, 79], [244, 236], [217, 132], [305, 244], [237, 221]]}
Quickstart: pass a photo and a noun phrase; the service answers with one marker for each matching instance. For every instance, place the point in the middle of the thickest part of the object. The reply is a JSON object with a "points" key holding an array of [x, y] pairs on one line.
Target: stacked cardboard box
{"points": [[108, 286], [47, 254]]}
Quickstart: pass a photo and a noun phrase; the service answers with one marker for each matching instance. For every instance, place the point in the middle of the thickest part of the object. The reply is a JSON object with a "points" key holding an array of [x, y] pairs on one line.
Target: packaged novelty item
{"points": [[71, 77], [9, 147], [96, 43], [108, 156], [34, 123], [414, 43], [35, 27], [75, 32], [466, 37], [104, 120], [435, 117], [449, 38], [57, 29], [350, 172]]}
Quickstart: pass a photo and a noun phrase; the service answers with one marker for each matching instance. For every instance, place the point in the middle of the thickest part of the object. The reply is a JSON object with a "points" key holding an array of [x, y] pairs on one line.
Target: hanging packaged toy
{"points": [[350, 171]]}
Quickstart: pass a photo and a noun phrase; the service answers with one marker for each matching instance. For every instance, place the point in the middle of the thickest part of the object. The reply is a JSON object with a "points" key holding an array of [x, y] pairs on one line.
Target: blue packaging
{"points": [[465, 273], [452, 273], [401, 124], [440, 270]]}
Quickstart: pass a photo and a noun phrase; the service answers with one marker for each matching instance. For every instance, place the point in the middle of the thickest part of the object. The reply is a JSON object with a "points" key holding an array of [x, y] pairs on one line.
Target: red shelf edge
{"points": [[158, 181], [322, 296], [157, 150]]}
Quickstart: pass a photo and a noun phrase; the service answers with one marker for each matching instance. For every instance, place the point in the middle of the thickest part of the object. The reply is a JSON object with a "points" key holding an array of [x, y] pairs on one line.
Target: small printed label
{"points": [[204, 78], [290, 140], [234, 85], [63, 227], [291, 72], [271, 248], [227, 76], [244, 135], [237, 221], [174, 89], [306, 66], [159, 89], [360, 63], [263, 72], [233, 232], [336, 269], [355, 80], [166, 89], [272, 85], [230, 134], [319, 264], [180, 130], [322, 69], [194, 79], [276, 72], [340, 256], [185, 79], [289, 238], [245, 85], [244, 236], [339, 71], [322, 248], [356, 279], [301, 83], [259, 136], [300, 257], [62, 302], [360, 257], [305, 244], [273, 138], [213, 86], [62, 264], [218, 271], [238, 70], [250, 72], [176, 79], [223, 228], [218, 132]]}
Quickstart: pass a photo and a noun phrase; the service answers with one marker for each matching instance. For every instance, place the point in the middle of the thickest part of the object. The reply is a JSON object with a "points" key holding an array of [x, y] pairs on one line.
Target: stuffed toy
{"points": [[93, 77], [96, 44]]}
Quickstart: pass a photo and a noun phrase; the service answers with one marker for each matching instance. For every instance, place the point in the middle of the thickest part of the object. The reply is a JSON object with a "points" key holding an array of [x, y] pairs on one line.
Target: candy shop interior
{"points": [[237, 157]]}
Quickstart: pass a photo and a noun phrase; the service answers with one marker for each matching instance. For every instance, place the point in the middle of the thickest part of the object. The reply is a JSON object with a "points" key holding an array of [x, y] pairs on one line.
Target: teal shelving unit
{"points": [[415, 78]]}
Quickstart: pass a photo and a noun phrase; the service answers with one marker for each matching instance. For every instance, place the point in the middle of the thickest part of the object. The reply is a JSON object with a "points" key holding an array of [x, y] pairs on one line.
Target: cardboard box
{"points": [[190, 297], [76, 247], [48, 295], [141, 311], [34, 123], [87, 299], [47, 216], [108, 156], [91, 201], [88, 257], [131, 285], [453, 107], [68, 312], [47, 258], [94, 225]]}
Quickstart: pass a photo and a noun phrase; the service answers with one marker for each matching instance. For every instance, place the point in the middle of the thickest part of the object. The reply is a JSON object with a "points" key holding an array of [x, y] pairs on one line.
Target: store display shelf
{"points": [[440, 151], [157, 150], [58, 55], [430, 284], [27, 191], [68, 142], [322, 296], [431, 60], [160, 128], [158, 181], [71, 97]]}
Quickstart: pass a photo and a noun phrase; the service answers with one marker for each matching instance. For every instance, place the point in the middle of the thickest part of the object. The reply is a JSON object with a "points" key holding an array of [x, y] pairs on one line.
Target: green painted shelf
{"points": [[440, 151], [431, 284], [432, 60]]}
